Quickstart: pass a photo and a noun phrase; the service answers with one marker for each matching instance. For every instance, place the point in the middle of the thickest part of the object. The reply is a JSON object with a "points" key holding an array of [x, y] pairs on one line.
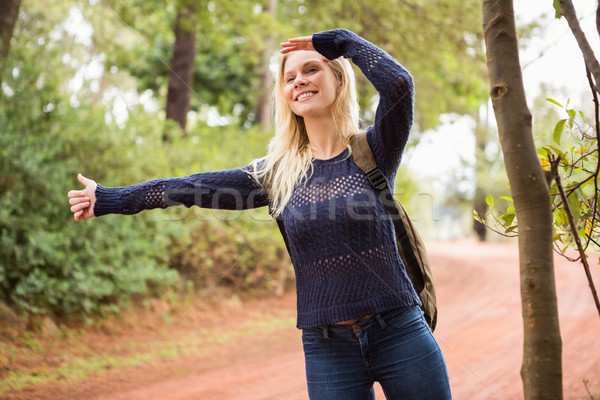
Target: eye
{"points": [[289, 79]]}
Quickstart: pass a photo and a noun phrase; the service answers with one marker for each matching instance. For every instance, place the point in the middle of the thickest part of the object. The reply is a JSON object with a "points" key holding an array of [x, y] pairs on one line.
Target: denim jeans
{"points": [[395, 348]]}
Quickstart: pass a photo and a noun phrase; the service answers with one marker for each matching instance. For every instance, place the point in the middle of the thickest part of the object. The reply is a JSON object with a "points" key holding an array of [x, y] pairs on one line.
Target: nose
{"points": [[300, 81]]}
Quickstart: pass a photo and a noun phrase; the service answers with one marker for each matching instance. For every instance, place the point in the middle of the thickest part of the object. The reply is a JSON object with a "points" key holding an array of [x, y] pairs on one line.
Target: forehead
{"points": [[298, 59]]}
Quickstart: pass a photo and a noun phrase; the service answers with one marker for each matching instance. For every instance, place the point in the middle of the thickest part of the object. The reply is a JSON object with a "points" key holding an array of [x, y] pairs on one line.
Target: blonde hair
{"points": [[288, 160]]}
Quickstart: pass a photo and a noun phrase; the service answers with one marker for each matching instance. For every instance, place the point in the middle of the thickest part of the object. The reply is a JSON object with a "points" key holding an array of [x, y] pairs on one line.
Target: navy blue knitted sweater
{"points": [[342, 242]]}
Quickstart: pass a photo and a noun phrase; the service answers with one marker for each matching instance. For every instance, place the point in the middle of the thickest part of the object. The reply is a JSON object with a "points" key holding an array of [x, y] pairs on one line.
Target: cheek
{"points": [[287, 94], [330, 85]]}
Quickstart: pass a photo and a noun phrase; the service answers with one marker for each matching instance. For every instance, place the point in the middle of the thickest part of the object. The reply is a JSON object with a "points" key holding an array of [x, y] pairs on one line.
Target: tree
{"points": [[263, 109], [9, 11], [541, 369], [181, 73]]}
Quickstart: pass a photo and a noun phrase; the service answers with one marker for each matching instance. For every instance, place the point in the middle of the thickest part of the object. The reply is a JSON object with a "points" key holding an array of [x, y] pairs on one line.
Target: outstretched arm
{"points": [[233, 189], [83, 201]]}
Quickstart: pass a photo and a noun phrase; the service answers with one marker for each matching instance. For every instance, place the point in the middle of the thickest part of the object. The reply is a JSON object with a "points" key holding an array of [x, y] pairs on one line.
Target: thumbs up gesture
{"points": [[82, 201]]}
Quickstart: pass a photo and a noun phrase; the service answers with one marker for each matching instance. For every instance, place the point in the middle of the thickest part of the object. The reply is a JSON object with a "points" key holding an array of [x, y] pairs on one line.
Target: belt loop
{"points": [[326, 332], [381, 321]]}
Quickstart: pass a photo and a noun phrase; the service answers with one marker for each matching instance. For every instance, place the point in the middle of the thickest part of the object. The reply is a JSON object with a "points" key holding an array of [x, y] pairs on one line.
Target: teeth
{"points": [[307, 94]]}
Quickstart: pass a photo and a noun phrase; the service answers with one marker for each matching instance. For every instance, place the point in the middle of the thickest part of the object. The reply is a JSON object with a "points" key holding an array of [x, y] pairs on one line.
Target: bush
{"points": [[50, 264]]}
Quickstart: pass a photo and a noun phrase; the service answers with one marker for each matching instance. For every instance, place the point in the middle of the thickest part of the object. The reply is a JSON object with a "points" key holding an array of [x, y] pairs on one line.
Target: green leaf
{"points": [[507, 198], [477, 217], [574, 207], [581, 194], [549, 99], [558, 151], [561, 218], [557, 9], [490, 200], [510, 209], [558, 130], [542, 152], [507, 219]]}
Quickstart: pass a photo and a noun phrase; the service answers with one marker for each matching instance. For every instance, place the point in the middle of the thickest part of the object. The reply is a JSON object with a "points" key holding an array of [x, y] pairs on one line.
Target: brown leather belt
{"points": [[354, 321]]}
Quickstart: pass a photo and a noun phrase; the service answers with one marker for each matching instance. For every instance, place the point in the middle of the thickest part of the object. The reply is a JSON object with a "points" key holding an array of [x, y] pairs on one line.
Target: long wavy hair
{"points": [[287, 163]]}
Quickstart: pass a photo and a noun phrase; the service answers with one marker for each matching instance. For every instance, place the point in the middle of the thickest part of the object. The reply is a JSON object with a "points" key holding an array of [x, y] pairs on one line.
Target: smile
{"points": [[305, 95]]}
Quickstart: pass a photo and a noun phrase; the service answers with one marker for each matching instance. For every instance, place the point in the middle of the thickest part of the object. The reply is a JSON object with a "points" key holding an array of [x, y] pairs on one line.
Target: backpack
{"points": [[410, 245]]}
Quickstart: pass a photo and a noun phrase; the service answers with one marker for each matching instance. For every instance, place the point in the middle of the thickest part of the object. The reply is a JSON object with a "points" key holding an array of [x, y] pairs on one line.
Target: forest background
{"points": [[85, 89]]}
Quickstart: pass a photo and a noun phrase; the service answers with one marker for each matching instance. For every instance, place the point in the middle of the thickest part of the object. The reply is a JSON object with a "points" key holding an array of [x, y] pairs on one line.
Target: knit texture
{"points": [[342, 241]]}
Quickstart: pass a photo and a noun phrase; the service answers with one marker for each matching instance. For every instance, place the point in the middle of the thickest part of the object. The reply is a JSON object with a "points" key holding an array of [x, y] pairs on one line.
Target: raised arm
{"points": [[394, 117]]}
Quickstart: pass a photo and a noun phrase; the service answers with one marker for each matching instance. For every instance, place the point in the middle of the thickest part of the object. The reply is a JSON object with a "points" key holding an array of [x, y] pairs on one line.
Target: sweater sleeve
{"points": [[233, 189], [394, 117]]}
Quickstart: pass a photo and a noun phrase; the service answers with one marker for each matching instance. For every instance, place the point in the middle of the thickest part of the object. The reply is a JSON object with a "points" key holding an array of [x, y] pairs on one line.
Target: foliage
{"points": [[572, 147], [578, 165], [229, 33], [449, 69], [238, 249], [50, 264]]}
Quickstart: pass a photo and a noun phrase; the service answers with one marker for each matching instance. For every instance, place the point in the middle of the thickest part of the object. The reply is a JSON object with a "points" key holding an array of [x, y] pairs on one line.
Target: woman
{"points": [[359, 313]]}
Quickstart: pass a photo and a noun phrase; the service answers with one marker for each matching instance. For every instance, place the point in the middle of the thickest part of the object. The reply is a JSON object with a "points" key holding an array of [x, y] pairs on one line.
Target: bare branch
{"points": [[568, 11], [598, 18]]}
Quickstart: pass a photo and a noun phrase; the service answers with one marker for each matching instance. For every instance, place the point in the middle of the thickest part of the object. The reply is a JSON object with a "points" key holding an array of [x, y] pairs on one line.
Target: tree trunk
{"points": [[541, 370], [181, 75], [9, 12], [263, 107]]}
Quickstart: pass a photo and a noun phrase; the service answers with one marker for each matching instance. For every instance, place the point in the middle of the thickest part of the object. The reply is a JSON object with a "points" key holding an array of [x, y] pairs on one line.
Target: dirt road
{"points": [[479, 331]]}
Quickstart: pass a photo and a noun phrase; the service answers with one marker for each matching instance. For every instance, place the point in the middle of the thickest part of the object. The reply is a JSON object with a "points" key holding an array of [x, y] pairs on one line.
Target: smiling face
{"points": [[309, 85]]}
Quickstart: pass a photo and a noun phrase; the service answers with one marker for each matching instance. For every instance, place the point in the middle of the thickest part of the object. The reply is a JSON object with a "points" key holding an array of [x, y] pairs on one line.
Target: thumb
{"points": [[84, 181]]}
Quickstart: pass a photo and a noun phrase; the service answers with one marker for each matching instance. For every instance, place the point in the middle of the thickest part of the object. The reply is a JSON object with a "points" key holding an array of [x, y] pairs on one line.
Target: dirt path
{"points": [[479, 331]]}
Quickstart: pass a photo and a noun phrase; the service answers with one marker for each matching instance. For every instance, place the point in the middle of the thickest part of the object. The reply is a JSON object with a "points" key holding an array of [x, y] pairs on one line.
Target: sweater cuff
{"points": [[330, 43], [107, 200]]}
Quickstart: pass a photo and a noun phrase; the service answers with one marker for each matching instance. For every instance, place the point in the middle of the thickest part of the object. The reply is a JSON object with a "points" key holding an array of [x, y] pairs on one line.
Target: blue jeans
{"points": [[395, 348]]}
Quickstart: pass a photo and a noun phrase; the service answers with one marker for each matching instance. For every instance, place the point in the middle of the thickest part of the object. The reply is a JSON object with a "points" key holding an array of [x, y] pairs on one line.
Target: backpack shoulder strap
{"points": [[365, 160], [361, 152]]}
